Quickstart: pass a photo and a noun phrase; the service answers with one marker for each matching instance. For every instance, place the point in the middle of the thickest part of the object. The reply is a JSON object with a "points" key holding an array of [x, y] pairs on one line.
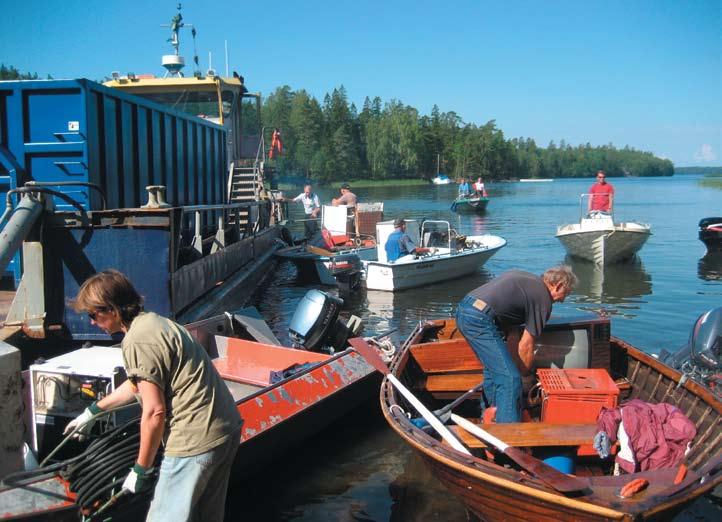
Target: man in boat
{"points": [[349, 199], [464, 189], [399, 243], [488, 313], [311, 207], [479, 188], [185, 403], [601, 195]]}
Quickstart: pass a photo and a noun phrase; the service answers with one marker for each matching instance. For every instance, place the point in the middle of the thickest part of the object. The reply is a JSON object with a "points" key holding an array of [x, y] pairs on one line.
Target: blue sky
{"points": [[647, 74]]}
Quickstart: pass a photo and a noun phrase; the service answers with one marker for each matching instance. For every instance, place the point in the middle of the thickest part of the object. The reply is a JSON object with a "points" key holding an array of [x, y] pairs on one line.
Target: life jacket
{"points": [[276, 145], [393, 246]]}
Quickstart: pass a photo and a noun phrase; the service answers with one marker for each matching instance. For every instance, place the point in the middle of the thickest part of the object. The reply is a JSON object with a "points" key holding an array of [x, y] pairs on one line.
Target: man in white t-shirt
{"points": [[312, 207]]}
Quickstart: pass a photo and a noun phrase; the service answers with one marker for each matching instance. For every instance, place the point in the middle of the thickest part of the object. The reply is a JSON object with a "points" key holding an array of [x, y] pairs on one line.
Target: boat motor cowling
{"points": [[701, 357], [316, 326]]}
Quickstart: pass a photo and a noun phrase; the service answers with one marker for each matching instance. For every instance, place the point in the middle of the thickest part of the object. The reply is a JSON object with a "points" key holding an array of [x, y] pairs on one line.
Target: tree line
{"points": [[333, 141]]}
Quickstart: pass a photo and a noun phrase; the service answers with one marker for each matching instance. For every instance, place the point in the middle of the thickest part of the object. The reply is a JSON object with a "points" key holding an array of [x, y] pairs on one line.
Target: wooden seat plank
{"points": [[457, 382], [532, 434], [445, 356]]}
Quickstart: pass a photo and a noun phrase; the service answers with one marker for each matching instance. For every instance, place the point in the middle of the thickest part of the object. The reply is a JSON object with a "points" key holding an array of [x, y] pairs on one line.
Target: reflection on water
{"points": [[710, 267], [620, 285]]}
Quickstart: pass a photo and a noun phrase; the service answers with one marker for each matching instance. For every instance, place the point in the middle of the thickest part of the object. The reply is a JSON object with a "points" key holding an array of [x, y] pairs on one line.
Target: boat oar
{"points": [[369, 353], [444, 414], [541, 470]]}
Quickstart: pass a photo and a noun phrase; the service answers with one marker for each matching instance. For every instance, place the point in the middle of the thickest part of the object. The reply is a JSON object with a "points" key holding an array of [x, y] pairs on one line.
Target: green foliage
{"points": [[332, 142], [11, 73]]}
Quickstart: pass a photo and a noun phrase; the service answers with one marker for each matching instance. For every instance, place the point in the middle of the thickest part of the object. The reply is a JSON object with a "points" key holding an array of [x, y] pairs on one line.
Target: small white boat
{"points": [[441, 179], [535, 180], [599, 239], [457, 256]]}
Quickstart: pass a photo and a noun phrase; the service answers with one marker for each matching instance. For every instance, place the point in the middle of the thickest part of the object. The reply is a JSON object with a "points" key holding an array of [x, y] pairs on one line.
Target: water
{"points": [[359, 469]]}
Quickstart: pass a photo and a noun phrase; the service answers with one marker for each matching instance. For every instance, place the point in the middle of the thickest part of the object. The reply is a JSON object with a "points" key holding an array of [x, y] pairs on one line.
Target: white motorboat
{"points": [[451, 256], [599, 239], [441, 179]]}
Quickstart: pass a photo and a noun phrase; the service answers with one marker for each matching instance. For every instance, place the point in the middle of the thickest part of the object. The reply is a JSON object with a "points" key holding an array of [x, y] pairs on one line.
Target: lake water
{"points": [[359, 469]]}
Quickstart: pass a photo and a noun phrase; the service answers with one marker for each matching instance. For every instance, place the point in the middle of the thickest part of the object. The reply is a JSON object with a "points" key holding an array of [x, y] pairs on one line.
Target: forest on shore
{"points": [[333, 141]]}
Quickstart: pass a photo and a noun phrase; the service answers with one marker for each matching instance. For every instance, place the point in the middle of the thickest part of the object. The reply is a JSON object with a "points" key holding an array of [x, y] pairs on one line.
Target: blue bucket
{"points": [[561, 458]]}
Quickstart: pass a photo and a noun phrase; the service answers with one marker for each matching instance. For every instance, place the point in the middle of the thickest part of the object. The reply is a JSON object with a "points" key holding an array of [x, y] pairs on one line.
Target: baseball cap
{"points": [[399, 221]]}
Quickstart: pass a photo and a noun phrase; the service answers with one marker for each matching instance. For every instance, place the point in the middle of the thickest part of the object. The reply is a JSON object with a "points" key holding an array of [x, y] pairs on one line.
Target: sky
{"points": [[640, 73]]}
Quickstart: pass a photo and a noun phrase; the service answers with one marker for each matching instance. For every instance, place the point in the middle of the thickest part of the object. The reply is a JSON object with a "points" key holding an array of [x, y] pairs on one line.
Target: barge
{"points": [[125, 176]]}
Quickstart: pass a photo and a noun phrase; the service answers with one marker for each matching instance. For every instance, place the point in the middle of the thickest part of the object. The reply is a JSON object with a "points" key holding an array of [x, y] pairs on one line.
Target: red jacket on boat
{"points": [[658, 433]]}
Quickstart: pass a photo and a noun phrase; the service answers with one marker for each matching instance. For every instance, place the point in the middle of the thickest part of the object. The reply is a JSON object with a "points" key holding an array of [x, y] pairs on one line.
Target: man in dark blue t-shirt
{"points": [[399, 243], [489, 312]]}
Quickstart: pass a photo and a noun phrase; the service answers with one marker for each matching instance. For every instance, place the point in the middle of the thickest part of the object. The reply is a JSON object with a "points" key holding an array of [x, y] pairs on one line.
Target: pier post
{"points": [[11, 427]]}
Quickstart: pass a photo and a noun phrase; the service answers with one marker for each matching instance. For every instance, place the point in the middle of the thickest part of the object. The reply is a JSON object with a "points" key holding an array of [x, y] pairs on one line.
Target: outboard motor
{"points": [[701, 357], [316, 326]]}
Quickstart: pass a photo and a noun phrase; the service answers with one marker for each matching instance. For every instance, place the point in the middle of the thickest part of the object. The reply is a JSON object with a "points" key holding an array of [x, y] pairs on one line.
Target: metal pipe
{"points": [[93, 186], [18, 227]]}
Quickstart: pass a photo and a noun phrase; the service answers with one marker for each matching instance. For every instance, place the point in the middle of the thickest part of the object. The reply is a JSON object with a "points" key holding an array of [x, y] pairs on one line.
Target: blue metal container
{"points": [[78, 130]]}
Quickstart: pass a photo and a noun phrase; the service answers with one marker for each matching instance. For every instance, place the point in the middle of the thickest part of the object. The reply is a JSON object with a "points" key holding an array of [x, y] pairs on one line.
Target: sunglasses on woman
{"points": [[92, 315]]}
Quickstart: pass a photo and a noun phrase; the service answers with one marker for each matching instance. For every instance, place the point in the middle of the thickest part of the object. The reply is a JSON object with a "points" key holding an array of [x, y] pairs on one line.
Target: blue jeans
{"points": [[194, 487], [502, 380]]}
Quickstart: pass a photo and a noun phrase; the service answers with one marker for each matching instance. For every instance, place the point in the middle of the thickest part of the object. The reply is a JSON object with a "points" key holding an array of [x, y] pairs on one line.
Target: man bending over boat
{"points": [[185, 403], [399, 243], [601, 195], [488, 313]]}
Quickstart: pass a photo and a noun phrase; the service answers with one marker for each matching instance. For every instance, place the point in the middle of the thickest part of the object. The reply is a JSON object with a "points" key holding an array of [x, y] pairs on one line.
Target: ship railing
{"points": [[584, 204], [213, 225]]}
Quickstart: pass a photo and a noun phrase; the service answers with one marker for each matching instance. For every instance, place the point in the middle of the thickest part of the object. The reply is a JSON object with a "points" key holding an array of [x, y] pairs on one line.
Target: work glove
{"points": [[138, 480], [602, 444], [84, 421]]}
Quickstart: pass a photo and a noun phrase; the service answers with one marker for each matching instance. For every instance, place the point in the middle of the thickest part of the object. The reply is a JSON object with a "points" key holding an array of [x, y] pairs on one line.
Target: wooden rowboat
{"points": [[437, 364]]}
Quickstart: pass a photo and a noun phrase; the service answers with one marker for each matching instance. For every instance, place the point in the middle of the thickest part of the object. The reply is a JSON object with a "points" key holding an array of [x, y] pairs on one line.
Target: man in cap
{"points": [[399, 243]]}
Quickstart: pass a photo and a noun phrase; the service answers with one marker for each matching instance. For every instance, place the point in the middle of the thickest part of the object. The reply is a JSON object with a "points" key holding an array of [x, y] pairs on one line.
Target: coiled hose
{"points": [[99, 471]]}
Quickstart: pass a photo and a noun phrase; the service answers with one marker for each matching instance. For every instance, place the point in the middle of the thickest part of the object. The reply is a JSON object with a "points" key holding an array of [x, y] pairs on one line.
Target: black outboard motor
{"points": [[701, 357], [315, 324]]}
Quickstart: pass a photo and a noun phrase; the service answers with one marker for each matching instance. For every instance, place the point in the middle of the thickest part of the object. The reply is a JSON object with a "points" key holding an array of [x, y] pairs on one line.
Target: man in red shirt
{"points": [[601, 195]]}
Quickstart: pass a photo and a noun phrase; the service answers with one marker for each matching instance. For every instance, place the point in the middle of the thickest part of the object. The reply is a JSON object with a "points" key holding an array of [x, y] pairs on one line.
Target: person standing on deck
{"points": [[185, 403], [349, 199], [488, 313], [311, 207], [601, 195]]}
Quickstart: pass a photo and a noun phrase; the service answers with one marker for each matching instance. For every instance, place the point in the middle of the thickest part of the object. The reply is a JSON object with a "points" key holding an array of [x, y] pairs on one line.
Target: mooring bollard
{"points": [[156, 197]]}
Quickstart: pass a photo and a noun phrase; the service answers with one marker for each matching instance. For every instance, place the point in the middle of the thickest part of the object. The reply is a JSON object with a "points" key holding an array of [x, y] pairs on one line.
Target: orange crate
{"points": [[576, 395]]}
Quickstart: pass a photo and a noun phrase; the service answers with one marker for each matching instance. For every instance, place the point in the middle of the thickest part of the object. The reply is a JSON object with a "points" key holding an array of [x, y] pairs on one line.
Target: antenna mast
{"points": [[174, 63]]}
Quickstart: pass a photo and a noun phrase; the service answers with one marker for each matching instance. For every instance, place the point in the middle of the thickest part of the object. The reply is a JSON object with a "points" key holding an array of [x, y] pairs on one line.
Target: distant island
{"points": [[333, 141]]}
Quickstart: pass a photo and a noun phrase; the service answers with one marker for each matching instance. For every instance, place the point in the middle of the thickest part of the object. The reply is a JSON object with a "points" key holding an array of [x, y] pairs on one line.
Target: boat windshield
{"points": [[203, 104]]}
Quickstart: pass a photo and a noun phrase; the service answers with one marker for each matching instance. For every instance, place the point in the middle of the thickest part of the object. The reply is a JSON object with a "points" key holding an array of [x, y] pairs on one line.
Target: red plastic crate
{"points": [[576, 395]]}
